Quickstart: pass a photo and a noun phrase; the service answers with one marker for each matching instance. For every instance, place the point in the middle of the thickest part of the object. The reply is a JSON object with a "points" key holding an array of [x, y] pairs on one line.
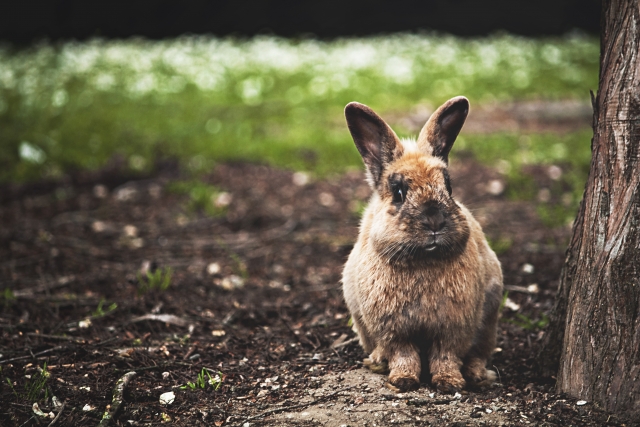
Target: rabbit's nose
{"points": [[434, 218]]}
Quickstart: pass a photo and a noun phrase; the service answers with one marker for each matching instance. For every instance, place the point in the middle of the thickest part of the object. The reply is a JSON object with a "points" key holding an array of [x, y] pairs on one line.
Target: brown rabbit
{"points": [[421, 282]]}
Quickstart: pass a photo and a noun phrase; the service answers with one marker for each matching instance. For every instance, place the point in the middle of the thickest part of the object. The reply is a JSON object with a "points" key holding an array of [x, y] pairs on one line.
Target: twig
{"points": [[46, 286], [166, 318], [109, 341], [56, 337], [34, 355], [344, 343], [25, 423], [164, 365], [116, 401], [516, 288], [300, 405], [59, 413]]}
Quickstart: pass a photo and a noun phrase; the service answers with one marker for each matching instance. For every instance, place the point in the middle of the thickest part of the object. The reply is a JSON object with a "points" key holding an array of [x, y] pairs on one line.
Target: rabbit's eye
{"points": [[398, 194], [398, 187]]}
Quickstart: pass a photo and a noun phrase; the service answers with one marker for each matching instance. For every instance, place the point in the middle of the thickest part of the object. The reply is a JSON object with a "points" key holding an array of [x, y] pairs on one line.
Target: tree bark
{"points": [[595, 329]]}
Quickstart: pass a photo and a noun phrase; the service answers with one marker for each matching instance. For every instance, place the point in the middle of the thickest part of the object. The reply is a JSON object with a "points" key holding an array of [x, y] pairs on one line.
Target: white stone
{"points": [[300, 179], [167, 398]]}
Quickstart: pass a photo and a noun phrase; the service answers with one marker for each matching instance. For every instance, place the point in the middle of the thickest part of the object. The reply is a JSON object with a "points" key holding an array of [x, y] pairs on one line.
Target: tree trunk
{"points": [[595, 330]]}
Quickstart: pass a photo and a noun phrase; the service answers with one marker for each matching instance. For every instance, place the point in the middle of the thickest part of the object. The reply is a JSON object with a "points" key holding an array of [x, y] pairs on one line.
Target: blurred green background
{"points": [[71, 106]]}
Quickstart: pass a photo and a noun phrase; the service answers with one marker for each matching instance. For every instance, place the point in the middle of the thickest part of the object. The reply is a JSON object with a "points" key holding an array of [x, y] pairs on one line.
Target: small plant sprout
{"points": [[526, 322], [157, 280], [503, 302], [204, 379], [37, 384], [7, 296], [100, 311], [202, 197]]}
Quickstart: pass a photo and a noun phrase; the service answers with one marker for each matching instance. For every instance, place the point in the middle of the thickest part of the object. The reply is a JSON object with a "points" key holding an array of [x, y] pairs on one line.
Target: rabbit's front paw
{"points": [[381, 367], [404, 383], [477, 374], [448, 382]]}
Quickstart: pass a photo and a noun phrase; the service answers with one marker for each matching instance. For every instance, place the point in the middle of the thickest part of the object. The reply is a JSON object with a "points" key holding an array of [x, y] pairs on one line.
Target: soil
{"points": [[254, 298]]}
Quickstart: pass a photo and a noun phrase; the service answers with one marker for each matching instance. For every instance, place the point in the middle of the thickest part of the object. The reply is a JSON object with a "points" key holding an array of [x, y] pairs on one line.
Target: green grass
{"points": [[201, 196], [204, 378], [204, 100], [35, 387], [528, 323], [158, 280], [100, 311]]}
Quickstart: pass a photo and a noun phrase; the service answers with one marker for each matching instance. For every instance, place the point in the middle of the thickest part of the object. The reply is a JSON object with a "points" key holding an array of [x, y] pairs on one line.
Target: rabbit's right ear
{"points": [[441, 130], [376, 141]]}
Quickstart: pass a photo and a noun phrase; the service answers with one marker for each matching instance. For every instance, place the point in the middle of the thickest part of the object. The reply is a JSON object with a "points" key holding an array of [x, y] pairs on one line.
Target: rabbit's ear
{"points": [[376, 141], [441, 130]]}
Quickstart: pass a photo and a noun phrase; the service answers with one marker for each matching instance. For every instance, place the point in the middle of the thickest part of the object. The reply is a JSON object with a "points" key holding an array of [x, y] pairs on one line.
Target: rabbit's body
{"points": [[422, 284]]}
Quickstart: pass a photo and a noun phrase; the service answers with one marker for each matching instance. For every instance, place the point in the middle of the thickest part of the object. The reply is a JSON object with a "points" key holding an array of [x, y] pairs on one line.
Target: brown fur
{"points": [[422, 284]]}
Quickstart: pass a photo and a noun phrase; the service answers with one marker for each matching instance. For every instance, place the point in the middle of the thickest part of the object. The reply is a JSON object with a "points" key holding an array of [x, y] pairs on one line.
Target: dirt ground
{"points": [[254, 298]]}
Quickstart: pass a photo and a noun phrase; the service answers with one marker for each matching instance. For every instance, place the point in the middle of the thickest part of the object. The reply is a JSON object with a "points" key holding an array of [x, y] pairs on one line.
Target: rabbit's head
{"points": [[412, 215]]}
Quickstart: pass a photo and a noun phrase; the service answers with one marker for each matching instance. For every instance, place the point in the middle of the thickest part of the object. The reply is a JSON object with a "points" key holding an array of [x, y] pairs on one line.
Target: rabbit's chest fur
{"points": [[429, 297]]}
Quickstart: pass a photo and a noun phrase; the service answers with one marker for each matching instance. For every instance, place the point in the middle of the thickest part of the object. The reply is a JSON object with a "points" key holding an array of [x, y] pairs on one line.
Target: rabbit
{"points": [[421, 283]]}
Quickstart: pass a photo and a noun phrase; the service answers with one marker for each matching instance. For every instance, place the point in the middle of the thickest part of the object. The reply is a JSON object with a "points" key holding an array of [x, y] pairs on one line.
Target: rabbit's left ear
{"points": [[376, 141], [441, 130]]}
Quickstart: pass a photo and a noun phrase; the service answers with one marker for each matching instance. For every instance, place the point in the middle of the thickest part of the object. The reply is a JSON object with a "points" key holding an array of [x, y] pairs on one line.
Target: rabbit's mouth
{"points": [[430, 246], [432, 241]]}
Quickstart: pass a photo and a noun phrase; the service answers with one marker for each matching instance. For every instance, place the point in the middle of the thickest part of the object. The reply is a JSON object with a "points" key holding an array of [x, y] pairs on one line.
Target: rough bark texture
{"points": [[597, 319]]}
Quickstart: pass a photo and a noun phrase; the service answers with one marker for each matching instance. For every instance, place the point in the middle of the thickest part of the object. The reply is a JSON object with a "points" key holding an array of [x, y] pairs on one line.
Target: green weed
{"points": [[240, 267], [35, 387], [204, 378], [7, 297], [38, 384], [556, 215], [100, 311], [503, 301], [202, 197], [528, 323], [12, 387], [157, 280], [500, 245], [358, 207]]}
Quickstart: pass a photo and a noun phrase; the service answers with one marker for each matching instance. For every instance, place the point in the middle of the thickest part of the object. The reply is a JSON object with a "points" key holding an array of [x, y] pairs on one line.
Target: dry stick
{"points": [[345, 343], [56, 337], [34, 355], [58, 416], [116, 401], [300, 405]]}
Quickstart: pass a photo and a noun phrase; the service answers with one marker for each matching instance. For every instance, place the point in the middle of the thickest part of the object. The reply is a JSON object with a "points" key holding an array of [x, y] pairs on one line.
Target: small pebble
{"points": [[213, 268], [527, 268], [100, 191], [167, 398], [222, 200], [232, 282], [533, 288], [511, 305], [581, 402], [327, 199], [554, 172], [495, 187], [130, 230], [300, 179]]}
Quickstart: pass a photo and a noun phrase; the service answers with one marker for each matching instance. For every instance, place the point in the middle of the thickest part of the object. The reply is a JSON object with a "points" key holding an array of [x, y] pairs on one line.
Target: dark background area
{"points": [[26, 21]]}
